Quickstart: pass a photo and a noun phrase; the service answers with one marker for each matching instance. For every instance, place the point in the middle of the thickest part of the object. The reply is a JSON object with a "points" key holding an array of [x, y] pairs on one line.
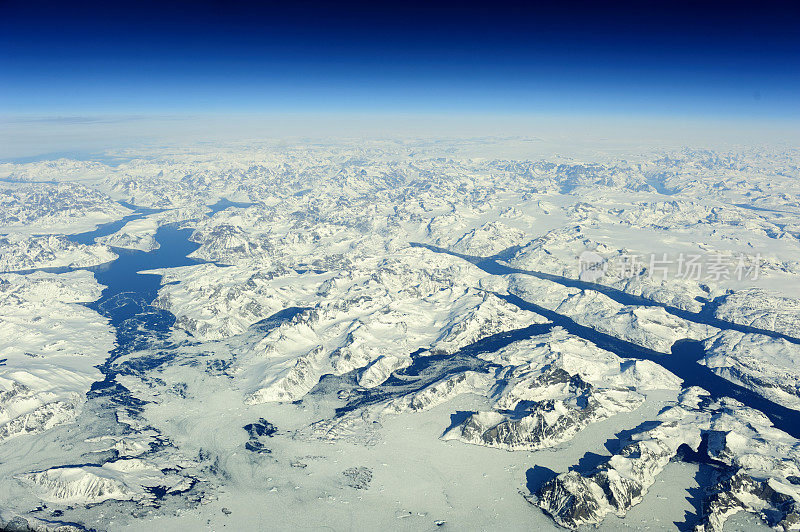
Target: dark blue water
{"points": [[762, 209], [127, 299], [127, 303], [110, 228], [659, 183], [682, 361], [706, 316], [225, 203], [427, 370]]}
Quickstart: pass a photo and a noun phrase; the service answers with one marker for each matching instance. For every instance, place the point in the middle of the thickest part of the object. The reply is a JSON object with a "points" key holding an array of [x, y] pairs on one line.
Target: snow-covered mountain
{"points": [[361, 327]]}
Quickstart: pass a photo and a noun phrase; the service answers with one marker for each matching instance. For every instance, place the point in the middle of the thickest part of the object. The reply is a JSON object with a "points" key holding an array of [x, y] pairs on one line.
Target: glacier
{"points": [[397, 334]]}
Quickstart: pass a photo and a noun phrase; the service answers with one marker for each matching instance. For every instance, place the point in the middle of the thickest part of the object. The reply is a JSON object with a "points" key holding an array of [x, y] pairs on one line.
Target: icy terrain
{"points": [[770, 366], [50, 345], [19, 253], [400, 334], [136, 234]]}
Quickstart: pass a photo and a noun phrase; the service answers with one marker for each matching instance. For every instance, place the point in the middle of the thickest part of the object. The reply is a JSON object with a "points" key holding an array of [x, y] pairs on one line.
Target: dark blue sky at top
{"points": [[639, 58]]}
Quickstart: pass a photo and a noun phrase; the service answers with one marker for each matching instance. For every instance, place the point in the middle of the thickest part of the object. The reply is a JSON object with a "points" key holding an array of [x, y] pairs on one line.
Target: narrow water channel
{"points": [[682, 361], [127, 303]]}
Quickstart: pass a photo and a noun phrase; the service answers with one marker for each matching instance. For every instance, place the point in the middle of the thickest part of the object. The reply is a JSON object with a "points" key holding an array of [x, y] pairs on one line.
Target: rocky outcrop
{"points": [[547, 422], [757, 464]]}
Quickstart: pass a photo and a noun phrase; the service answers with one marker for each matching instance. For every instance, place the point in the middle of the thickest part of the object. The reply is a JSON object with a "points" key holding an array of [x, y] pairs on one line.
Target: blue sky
{"points": [[634, 59]]}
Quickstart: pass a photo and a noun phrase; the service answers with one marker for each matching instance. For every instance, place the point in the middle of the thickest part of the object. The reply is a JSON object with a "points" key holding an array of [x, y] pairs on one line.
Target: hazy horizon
{"points": [[24, 137], [90, 76]]}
